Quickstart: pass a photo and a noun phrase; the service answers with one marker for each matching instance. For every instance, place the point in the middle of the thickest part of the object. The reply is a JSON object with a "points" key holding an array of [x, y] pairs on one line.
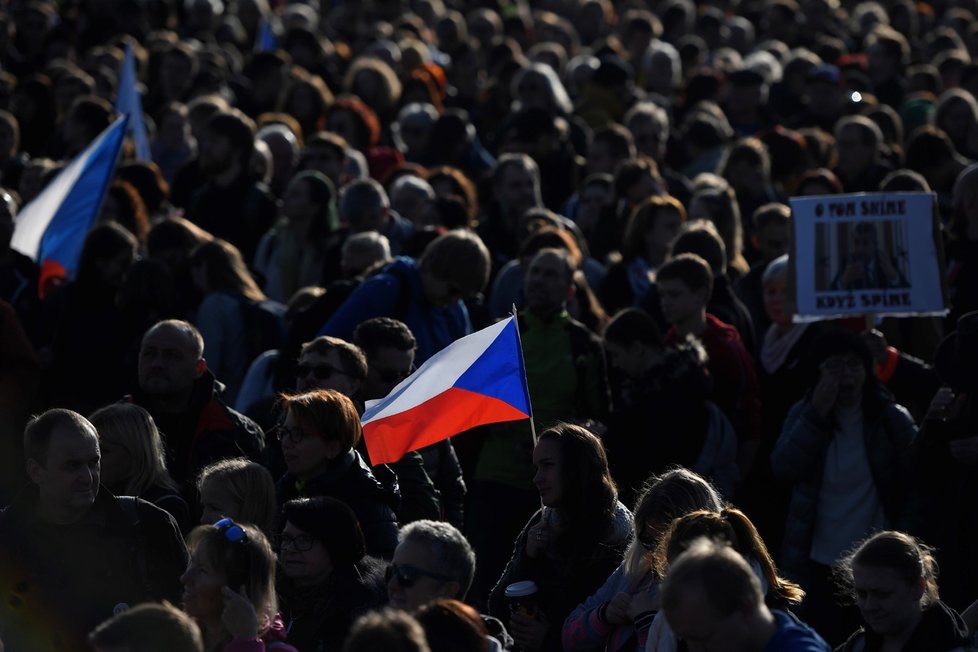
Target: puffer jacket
{"points": [[799, 459]]}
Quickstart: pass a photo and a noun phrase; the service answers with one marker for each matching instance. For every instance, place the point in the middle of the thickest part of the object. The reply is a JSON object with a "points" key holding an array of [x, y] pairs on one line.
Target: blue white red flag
{"points": [[477, 380], [127, 102], [51, 228]]}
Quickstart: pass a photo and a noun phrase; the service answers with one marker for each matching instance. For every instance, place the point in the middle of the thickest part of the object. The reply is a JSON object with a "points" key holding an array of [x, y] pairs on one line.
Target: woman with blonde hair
{"points": [[134, 459], [617, 616], [221, 275], [229, 589], [730, 526], [239, 489]]}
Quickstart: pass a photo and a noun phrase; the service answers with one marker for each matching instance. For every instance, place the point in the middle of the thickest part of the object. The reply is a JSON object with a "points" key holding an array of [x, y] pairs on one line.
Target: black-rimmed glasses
{"points": [[300, 542]]}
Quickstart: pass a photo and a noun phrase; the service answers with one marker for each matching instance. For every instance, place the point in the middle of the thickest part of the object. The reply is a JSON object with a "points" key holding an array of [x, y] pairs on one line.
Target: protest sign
{"points": [[865, 254]]}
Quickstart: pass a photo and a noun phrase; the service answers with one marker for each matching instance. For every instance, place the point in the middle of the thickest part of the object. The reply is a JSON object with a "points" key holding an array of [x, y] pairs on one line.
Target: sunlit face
{"points": [[168, 363], [415, 561], [885, 599], [325, 371], [306, 452], [775, 291], [548, 480], [202, 584]]}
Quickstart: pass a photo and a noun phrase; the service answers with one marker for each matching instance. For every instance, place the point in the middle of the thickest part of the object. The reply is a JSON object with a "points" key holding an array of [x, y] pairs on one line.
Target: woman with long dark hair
{"points": [[571, 545]]}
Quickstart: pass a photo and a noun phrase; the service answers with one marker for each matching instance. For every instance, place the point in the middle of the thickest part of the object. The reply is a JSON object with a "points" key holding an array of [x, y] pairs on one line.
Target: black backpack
{"points": [[264, 325]]}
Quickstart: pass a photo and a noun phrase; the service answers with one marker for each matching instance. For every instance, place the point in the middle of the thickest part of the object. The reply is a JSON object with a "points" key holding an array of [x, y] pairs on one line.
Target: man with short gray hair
{"points": [[432, 560]]}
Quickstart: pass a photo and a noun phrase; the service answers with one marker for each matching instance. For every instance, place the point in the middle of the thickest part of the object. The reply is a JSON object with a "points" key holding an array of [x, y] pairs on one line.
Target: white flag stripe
{"points": [[33, 219], [438, 374]]}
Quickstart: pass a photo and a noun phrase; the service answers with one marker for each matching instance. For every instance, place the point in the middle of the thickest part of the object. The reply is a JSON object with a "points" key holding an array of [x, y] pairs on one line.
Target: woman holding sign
{"points": [[845, 451]]}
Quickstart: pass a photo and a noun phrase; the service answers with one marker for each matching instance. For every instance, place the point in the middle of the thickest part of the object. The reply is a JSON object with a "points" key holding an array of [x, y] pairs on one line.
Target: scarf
{"points": [[777, 346]]}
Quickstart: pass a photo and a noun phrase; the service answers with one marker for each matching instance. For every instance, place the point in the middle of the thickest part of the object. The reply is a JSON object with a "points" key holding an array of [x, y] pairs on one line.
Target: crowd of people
{"points": [[334, 192]]}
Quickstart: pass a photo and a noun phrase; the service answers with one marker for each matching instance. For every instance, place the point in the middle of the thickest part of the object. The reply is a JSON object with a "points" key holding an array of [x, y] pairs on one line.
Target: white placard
{"points": [[865, 254]]}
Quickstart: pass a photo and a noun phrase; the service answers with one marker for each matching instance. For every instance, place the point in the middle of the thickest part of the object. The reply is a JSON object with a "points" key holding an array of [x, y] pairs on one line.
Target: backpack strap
{"points": [[130, 506]]}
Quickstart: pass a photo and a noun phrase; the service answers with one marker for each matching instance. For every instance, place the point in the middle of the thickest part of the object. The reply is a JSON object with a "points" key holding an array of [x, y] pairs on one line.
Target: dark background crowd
{"points": [[339, 190]]}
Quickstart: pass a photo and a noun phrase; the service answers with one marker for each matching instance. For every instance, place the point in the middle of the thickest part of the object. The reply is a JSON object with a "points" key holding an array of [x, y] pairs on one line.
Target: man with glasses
{"points": [[71, 553], [389, 347], [331, 363], [434, 560]]}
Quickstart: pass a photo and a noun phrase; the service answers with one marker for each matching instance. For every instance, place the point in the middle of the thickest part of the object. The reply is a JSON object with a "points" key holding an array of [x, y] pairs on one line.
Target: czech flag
{"points": [[477, 380], [128, 103], [51, 228]]}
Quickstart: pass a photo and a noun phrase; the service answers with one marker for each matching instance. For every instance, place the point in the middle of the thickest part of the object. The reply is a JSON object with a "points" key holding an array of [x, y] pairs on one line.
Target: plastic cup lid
{"points": [[521, 589]]}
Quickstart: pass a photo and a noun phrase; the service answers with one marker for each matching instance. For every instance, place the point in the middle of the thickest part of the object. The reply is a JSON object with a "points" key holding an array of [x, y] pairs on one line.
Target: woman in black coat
{"points": [[325, 579]]}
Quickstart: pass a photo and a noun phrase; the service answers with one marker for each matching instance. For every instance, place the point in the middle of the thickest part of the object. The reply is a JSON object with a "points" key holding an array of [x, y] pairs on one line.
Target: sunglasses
{"points": [[392, 375], [232, 532], [320, 371], [238, 563], [408, 575]]}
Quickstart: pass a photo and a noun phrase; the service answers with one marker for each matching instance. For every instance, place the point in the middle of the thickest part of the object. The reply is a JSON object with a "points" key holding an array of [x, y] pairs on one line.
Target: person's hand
{"points": [[964, 450], [826, 392], [642, 602], [239, 615], [529, 632], [876, 342], [538, 539], [941, 405], [616, 613]]}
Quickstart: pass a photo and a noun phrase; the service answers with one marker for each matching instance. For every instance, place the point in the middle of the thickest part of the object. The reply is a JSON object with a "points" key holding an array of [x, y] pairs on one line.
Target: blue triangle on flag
{"points": [[498, 372]]}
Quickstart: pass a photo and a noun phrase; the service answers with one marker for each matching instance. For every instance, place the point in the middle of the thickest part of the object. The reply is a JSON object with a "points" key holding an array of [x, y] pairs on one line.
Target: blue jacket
{"points": [[379, 296], [799, 459]]}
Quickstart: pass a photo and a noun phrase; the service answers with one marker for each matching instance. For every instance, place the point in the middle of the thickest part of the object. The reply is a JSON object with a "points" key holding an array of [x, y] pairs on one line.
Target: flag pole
{"points": [[519, 342]]}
